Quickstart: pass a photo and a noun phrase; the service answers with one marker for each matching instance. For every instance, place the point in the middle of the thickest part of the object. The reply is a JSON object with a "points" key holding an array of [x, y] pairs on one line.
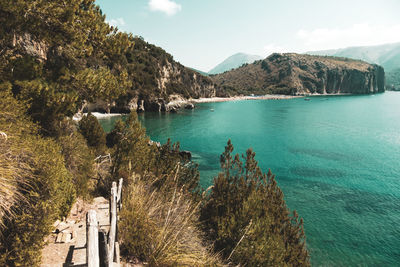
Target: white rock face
{"points": [[28, 45]]}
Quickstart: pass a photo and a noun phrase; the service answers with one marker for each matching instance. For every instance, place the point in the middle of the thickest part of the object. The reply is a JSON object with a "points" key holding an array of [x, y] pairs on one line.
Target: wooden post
{"points": [[92, 239], [117, 253], [113, 226], [119, 194], [103, 249]]}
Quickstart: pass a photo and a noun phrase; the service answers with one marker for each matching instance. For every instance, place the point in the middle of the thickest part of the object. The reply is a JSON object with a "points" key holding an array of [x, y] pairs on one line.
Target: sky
{"points": [[202, 33]]}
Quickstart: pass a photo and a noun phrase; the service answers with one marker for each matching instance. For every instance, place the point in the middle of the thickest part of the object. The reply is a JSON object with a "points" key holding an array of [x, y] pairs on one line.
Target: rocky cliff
{"points": [[297, 74], [159, 82]]}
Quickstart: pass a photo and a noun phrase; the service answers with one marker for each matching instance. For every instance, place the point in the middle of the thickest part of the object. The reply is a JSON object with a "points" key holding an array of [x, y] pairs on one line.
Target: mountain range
{"points": [[234, 62]]}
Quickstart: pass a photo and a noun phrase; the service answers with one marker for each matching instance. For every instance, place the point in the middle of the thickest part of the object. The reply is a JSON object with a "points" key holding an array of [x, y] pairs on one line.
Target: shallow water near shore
{"points": [[337, 160]]}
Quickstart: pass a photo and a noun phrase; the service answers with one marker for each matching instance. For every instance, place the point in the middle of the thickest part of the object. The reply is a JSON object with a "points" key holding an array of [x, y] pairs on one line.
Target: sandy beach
{"points": [[238, 98], [98, 115]]}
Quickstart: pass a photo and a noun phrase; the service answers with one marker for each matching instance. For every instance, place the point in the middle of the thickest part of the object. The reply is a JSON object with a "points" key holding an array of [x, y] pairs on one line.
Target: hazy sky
{"points": [[202, 33]]}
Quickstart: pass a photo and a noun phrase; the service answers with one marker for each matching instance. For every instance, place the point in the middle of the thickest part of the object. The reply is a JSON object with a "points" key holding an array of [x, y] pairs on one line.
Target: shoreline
{"points": [[181, 103], [264, 97], [98, 115], [239, 98]]}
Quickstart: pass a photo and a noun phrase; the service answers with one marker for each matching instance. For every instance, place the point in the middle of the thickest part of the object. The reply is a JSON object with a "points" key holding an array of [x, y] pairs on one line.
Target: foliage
{"points": [[159, 219], [46, 104], [147, 63], [246, 215], [94, 84], [94, 134], [132, 152], [78, 158], [167, 158], [12, 172], [115, 135], [57, 55], [47, 190], [159, 226], [135, 153]]}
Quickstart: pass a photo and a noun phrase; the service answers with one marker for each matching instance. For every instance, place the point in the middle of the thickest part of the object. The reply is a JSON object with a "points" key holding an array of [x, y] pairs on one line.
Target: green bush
{"points": [[115, 135], [132, 152], [47, 190], [167, 158], [79, 161], [95, 136], [160, 226], [247, 218]]}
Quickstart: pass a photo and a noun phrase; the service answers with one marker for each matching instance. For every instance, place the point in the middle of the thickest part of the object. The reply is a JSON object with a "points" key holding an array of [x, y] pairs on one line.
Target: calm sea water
{"points": [[337, 160]]}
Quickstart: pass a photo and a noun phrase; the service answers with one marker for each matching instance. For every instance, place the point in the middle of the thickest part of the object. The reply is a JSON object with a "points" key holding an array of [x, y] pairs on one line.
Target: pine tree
{"points": [[95, 136], [247, 218]]}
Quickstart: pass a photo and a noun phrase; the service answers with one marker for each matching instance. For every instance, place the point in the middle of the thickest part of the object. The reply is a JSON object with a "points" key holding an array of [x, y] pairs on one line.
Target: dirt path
{"points": [[66, 246]]}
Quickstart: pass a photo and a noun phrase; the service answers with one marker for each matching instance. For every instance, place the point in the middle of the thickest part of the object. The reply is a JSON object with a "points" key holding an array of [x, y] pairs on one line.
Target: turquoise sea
{"points": [[337, 160]]}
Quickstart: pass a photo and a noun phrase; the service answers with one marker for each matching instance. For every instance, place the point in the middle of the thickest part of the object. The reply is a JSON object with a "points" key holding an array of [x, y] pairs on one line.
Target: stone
{"points": [[189, 106], [173, 109], [141, 106], [133, 104], [56, 223], [187, 155]]}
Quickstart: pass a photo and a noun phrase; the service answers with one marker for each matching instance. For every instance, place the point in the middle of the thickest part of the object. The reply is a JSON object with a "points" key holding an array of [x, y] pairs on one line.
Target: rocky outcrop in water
{"points": [[296, 74]]}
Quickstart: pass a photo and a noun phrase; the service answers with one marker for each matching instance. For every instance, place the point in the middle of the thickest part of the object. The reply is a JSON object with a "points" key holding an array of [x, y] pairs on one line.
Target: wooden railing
{"points": [[104, 251]]}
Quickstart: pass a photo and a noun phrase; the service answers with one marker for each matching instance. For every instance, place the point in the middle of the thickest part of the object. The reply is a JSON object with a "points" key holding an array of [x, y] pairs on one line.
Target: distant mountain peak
{"points": [[233, 62], [387, 55]]}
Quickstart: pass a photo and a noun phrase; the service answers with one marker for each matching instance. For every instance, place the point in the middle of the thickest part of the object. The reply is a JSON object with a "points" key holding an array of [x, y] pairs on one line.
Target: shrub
{"points": [[246, 216], [132, 151], [94, 134], [167, 158], [12, 172], [159, 226], [79, 161], [115, 135], [47, 189]]}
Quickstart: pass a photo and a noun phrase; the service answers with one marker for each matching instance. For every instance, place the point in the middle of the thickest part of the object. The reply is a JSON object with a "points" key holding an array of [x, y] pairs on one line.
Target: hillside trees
{"points": [[247, 218], [58, 54]]}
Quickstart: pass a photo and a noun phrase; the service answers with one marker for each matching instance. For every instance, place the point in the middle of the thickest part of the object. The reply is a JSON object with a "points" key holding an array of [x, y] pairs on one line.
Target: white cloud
{"points": [[272, 48], [355, 35], [166, 6], [117, 22]]}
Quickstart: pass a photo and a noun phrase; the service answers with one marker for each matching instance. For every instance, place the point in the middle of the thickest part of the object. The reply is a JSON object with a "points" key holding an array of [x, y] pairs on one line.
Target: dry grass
{"points": [[13, 170], [159, 226]]}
